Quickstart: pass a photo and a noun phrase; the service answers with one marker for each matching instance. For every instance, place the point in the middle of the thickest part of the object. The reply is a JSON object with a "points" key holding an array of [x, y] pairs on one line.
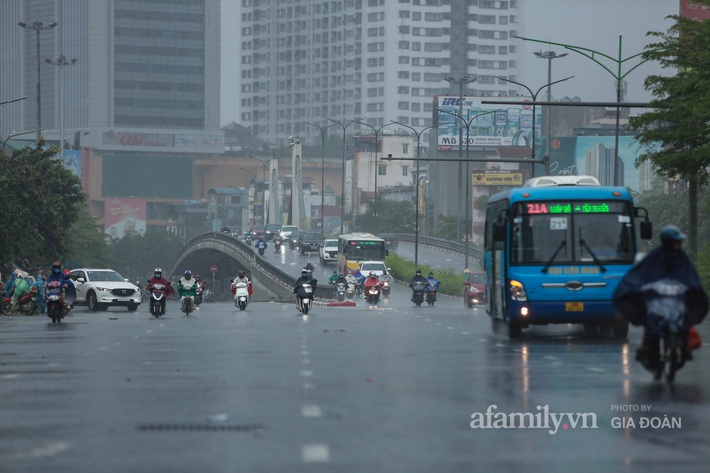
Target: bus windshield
{"points": [[585, 232], [365, 250]]}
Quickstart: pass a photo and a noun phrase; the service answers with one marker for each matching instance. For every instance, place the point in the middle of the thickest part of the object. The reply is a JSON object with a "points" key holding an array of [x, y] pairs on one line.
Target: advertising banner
{"points": [[124, 216], [489, 126]]}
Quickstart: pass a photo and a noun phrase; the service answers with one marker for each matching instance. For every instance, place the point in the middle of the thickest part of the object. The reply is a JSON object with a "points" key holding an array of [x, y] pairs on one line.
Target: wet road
{"points": [[392, 389]]}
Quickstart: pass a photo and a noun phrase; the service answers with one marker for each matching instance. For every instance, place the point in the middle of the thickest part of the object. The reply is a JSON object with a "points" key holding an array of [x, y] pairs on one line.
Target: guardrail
{"points": [[444, 245], [274, 278]]}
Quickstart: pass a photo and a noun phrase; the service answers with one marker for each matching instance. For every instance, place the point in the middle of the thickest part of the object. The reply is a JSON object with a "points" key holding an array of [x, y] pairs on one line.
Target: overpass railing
{"points": [[444, 245]]}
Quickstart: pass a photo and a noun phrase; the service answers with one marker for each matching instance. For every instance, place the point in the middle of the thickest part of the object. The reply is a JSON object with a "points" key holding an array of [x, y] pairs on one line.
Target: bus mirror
{"points": [[499, 230], [387, 252], [646, 229]]}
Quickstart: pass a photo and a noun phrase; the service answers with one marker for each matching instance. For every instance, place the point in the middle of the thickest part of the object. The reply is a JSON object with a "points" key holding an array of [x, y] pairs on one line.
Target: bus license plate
{"points": [[574, 306]]}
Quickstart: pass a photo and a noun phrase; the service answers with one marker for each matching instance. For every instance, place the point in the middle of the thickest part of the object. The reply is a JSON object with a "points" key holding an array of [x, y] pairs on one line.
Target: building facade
{"points": [[375, 60]]}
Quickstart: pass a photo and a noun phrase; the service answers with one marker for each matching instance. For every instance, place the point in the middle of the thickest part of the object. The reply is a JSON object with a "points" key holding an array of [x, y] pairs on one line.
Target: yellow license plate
{"points": [[574, 306]]}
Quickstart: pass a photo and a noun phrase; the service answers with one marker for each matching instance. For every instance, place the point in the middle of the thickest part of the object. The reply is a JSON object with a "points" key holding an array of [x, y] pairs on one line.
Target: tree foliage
{"points": [[138, 255], [394, 217], [39, 205], [680, 112], [88, 244]]}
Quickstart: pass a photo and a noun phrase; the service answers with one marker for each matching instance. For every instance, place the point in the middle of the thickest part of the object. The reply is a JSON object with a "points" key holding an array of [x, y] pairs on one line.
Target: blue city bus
{"points": [[555, 250]]}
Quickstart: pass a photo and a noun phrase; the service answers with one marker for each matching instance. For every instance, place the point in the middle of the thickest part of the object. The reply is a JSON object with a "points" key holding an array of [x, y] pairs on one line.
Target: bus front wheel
{"points": [[514, 330], [620, 328]]}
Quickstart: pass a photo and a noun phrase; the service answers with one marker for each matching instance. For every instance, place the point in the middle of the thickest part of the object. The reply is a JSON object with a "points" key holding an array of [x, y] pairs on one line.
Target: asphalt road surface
{"points": [[389, 389]]}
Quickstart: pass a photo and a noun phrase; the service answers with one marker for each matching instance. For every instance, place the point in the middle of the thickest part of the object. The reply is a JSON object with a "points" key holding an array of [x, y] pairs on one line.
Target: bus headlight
{"points": [[517, 291]]}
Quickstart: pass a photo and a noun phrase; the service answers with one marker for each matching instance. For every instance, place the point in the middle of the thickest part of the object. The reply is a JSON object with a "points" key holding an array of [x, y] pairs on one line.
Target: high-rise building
{"points": [[372, 59], [140, 65]]}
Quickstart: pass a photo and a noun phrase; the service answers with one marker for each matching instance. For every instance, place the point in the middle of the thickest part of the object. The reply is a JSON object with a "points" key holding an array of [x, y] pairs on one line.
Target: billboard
{"points": [[489, 126], [694, 10], [497, 178], [124, 216]]}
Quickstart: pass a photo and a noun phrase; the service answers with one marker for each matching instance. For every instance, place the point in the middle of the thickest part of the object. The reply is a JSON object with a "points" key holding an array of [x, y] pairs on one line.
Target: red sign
{"points": [[213, 268]]}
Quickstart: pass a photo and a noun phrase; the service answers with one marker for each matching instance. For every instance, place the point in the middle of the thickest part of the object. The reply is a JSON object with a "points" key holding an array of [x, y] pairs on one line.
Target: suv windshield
{"points": [[104, 276], [310, 236], [330, 243]]}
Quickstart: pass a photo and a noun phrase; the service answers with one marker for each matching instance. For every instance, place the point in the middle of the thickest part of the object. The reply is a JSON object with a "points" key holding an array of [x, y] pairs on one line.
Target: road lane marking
{"points": [[306, 373], [316, 452], [311, 411]]}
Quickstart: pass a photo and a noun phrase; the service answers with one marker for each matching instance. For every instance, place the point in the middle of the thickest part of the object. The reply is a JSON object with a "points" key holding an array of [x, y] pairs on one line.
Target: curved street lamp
{"points": [[39, 25], [344, 126], [377, 142], [468, 184], [534, 98], [62, 62], [322, 129], [416, 207]]}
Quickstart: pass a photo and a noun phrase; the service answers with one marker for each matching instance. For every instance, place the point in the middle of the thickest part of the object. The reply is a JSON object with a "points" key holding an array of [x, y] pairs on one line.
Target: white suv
{"points": [[328, 251], [286, 231], [377, 267], [100, 288]]}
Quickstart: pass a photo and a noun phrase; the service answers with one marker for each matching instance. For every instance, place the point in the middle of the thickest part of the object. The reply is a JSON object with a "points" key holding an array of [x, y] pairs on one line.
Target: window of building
{"points": [[417, 16], [405, 170], [416, 107], [405, 148], [487, 19], [404, 59], [404, 45], [403, 75], [402, 89], [403, 105], [381, 169], [404, 29]]}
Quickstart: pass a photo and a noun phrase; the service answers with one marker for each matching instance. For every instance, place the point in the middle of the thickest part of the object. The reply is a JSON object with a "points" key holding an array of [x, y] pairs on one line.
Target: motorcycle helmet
{"points": [[304, 273], [66, 272], [56, 267], [158, 273], [188, 274], [241, 274], [341, 275], [672, 233], [430, 275], [419, 272], [372, 275]]}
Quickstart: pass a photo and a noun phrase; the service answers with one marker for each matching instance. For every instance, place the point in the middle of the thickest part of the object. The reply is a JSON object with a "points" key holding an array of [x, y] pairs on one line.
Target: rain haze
{"points": [[593, 24]]}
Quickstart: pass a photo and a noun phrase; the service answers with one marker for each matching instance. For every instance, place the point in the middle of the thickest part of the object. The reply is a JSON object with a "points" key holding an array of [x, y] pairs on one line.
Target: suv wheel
{"points": [[92, 302]]}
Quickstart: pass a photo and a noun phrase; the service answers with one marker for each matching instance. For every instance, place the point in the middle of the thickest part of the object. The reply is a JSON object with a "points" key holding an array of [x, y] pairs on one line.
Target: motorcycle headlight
{"points": [[517, 291]]}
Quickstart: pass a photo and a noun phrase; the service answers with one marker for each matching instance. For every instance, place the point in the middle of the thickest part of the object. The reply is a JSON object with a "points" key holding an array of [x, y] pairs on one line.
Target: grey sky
{"points": [[593, 24]]}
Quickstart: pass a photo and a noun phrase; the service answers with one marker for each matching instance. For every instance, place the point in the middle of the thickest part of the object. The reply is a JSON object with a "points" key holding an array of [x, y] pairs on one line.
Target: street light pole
{"points": [[468, 184], [416, 183], [461, 81], [377, 142], [549, 55], [38, 25], [344, 126], [534, 98], [618, 76], [62, 62], [322, 129]]}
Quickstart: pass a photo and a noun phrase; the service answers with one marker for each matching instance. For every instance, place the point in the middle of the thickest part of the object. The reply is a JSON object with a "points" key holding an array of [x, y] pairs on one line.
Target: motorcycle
{"points": [[208, 295], [666, 332], [304, 298], [340, 291], [373, 294], [431, 295], [158, 295], [198, 294], [350, 291], [54, 294], [360, 287], [385, 288], [261, 250], [277, 244], [418, 292], [187, 303], [241, 294], [28, 303], [248, 238]]}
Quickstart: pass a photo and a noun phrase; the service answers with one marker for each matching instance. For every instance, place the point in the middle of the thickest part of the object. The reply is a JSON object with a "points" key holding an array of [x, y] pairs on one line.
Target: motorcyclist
{"points": [[372, 280], [261, 244], [667, 261], [433, 282], [159, 279], [40, 283], [66, 282], [187, 287], [309, 267], [21, 288], [417, 278], [306, 278], [241, 277], [341, 279], [10, 284], [333, 277]]}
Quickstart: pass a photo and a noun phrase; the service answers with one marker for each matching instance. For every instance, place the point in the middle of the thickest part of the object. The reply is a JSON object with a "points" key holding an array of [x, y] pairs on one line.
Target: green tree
{"points": [[447, 228], [39, 205], [681, 110], [138, 255], [394, 216], [88, 244]]}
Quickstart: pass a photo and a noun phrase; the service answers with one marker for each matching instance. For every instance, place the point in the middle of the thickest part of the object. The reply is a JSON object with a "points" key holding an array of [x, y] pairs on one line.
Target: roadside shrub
{"points": [[403, 270]]}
